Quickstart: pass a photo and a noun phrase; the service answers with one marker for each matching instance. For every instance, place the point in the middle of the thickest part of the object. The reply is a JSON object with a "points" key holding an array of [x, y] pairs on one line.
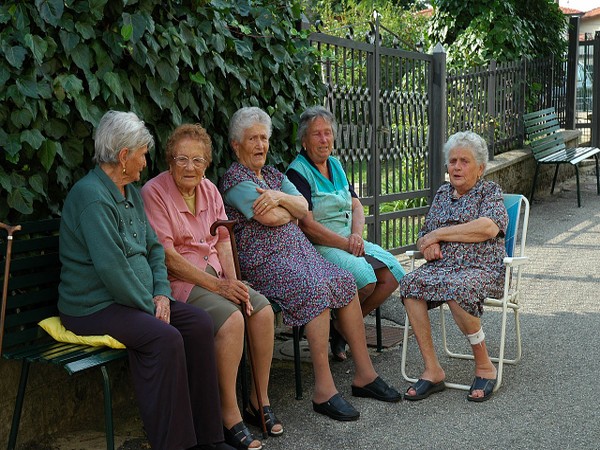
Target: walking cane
{"points": [[213, 231], [10, 230]]}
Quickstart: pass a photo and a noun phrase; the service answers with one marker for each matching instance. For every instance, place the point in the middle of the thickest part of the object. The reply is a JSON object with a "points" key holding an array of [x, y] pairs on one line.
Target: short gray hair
{"points": [[311, 114], [246, 117], [470, 140], [118, 130]]}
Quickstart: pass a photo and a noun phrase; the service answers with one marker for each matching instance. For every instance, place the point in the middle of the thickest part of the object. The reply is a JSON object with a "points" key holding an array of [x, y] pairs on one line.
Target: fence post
{"points": [[596, 93], [490, 121], [572, 57], [438, 118], [376, 124]]}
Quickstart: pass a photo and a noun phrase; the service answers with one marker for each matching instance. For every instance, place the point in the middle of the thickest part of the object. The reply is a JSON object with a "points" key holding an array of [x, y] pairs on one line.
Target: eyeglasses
{"points": [[182, 161]]}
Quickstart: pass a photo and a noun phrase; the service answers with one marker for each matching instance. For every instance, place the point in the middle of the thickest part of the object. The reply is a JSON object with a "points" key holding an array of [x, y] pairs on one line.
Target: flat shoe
{"points": [[251, 416], [337, 408], [379, 390], [240, 437], [423, 389], [482, 384]]}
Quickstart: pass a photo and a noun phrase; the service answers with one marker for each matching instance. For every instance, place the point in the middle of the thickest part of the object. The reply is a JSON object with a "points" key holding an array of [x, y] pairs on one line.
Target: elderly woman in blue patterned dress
{"points": [[335, 220], [462, 241], [279, 261]]}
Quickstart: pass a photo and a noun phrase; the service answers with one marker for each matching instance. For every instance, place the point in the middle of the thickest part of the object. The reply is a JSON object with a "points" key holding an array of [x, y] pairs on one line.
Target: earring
{"points": [[124, 172]]}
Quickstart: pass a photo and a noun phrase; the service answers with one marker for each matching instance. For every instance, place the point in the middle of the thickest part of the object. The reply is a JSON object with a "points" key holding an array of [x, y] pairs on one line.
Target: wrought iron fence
{"points": [[396, 108]]}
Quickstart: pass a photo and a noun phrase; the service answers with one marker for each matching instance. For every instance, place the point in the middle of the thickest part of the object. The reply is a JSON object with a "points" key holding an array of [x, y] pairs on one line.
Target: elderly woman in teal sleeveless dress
{"points": [[335, 221]]}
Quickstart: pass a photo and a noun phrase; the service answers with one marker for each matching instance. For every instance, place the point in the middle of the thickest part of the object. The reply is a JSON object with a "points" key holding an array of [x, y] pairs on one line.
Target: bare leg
{"points": [[229, 343], [419, 320], [261, 327], [386, 284], [469, 324], [352, 328], [317, 334]]}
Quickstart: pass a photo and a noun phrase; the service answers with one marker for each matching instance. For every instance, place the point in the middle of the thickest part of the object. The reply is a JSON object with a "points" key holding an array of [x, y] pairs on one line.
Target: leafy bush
{"points": [[477, 31], [63, 63]]}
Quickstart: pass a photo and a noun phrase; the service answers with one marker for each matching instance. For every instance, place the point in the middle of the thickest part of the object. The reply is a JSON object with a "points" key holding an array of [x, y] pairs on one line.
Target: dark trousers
{"points": [[173, 370]]}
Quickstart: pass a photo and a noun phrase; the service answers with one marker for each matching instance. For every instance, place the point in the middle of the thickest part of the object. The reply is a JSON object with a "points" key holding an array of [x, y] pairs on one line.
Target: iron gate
{"points": [[383, 100]]}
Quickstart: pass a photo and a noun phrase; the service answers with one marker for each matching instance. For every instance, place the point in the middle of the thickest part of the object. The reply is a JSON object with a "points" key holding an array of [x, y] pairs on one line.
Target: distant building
{"points": [[589, 22]]}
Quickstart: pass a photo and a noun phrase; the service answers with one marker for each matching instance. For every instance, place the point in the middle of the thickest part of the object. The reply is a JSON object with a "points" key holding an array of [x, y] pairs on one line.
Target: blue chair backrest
{"points": [[512, 202]]}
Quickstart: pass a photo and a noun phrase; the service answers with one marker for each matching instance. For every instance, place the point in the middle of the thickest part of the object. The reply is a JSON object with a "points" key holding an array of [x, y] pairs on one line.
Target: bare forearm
{"points": [[321, 235], [181, 268], [478, 230]]}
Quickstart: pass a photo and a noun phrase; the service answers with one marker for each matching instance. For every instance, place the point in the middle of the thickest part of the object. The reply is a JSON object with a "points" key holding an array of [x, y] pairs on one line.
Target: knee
{"points": [[366, 291]]}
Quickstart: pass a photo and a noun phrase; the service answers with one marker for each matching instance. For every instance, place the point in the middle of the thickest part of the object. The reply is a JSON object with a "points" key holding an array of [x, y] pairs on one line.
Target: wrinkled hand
{"points": [[163, 308], [235, 291], [356, 245], [432, 252], [267, 200]]}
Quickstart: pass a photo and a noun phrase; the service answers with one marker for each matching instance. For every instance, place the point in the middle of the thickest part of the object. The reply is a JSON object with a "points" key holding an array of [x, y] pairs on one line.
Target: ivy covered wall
{"points": [[64, 63]]}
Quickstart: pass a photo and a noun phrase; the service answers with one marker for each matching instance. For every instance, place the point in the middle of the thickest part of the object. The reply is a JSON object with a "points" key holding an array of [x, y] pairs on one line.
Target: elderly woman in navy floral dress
{"points": [[463, 243], [279, 261]]}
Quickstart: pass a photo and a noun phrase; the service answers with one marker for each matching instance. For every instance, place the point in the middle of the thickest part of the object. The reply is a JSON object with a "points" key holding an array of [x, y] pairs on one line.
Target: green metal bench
{"points": [[548, 147], [32, 296]]}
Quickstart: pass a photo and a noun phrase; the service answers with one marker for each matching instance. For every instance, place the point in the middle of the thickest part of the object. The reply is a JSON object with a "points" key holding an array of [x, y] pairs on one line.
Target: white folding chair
{"points": [[516, 235]]}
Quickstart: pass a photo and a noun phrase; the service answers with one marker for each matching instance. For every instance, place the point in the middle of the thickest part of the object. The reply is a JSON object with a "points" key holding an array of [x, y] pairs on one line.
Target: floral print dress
{"points": [[280, 262], [467, 272]]}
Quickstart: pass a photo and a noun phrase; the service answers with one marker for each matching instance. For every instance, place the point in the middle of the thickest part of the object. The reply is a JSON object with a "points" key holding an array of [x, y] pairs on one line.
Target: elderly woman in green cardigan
{"points": [[336, 220]]}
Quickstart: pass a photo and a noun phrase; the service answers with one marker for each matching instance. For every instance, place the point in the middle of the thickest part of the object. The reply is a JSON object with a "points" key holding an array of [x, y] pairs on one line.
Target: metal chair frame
{"points": [[518, 208]]}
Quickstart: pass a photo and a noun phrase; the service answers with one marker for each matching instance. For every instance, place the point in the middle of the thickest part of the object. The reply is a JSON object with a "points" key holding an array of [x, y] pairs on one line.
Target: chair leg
{"points": [[578, 191], [537, 169], [597, 176], [554, 180], [378, 329], [297, 331], [16, 419], [108, 417]]}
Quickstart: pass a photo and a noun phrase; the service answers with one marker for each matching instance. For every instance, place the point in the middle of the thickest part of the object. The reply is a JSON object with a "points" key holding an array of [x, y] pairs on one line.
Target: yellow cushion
{"points": [[54, 327]]}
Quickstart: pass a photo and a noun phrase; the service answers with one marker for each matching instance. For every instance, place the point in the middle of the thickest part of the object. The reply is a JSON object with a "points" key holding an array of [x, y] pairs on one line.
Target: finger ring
{"points": [[265, 203]]}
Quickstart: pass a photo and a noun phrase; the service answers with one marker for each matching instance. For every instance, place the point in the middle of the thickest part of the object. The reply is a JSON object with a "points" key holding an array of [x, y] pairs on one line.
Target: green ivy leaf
{"points": [[127, 31], [21, 118], [68, 40], [21, 199], [50, 10], [114, 84], [244, 49], [168, 72], [33, 138], [38, 47], [47, 153], [15, 55], [37, 184]]}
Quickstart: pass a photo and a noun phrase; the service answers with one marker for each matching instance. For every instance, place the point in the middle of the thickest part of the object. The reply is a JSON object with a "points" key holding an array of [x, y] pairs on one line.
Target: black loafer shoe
{"points": [[337, 408], [379, 390]]}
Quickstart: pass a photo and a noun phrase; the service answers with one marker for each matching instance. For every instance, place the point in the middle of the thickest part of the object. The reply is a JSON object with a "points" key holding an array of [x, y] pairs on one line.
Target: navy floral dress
{"points": [[280, 262], [467, 272]]}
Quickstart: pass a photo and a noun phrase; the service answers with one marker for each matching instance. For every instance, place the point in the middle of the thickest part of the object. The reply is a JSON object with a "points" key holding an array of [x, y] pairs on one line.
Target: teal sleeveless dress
{"points": [[332, 207]]}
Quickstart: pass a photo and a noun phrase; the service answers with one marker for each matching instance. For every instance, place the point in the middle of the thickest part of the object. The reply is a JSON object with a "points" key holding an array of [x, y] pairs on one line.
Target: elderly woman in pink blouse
{"points": [[181, 205]]}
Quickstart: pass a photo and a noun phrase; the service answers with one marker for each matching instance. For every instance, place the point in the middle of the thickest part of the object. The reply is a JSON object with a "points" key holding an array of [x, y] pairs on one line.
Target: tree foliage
{"points": [[477, 31], [63, 63], [352, 17]]}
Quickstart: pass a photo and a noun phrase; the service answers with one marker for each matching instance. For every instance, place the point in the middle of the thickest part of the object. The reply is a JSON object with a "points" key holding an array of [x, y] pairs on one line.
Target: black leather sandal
{"points": [[251, 416], [240, 437]]}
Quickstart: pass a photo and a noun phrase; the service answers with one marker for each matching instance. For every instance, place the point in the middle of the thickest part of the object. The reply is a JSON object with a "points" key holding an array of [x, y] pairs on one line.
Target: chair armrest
{"points": [[515, 261], [415, 254]]}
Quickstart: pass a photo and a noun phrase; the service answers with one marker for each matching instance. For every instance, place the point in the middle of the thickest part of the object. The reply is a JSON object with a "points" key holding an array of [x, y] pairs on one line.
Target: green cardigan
{"points": [[108, 250]]}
